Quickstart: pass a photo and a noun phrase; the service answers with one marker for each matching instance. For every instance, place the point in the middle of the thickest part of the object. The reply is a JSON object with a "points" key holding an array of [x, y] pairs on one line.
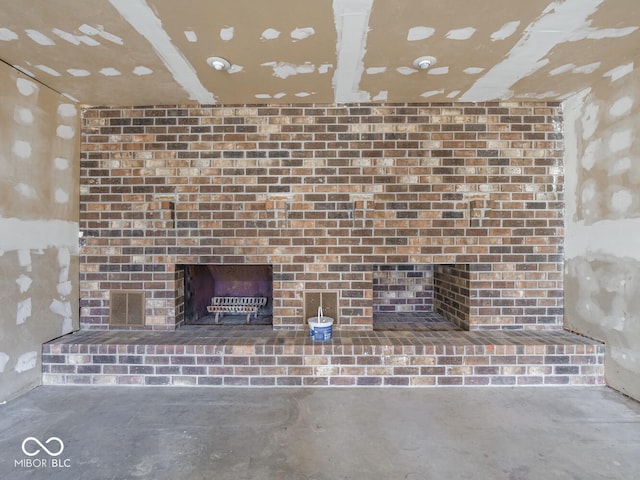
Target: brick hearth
{"points": [[260, 356]]}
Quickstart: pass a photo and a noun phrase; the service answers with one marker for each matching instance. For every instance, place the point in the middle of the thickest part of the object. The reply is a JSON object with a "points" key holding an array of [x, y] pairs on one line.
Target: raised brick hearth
{"points": [[260, 356], [325, 195]]}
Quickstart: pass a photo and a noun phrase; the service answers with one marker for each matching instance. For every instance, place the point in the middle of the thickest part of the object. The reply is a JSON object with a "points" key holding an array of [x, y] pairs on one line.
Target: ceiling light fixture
{"points": [[422, 63], [218, 63]]}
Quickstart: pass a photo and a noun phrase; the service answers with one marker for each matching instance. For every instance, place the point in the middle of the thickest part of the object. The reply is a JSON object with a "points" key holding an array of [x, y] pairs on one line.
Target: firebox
{"points": [[228, 295]]}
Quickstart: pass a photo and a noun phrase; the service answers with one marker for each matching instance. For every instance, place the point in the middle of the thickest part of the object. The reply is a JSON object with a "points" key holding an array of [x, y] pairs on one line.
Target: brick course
{"points": [[287, 358], [324, 194]]}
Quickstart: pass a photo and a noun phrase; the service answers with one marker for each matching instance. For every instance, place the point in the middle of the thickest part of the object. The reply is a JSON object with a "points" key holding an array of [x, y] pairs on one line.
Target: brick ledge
{"points": [[202, 356]]}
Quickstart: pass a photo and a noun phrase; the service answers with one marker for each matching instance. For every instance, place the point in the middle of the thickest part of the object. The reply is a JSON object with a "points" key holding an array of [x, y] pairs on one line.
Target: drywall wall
{"points": [[39, 145], [602, 249]]}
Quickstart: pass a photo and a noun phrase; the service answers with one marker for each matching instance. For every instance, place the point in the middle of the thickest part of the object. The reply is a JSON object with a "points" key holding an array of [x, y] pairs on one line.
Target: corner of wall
{"points": [[39, 206], [602, 222]]}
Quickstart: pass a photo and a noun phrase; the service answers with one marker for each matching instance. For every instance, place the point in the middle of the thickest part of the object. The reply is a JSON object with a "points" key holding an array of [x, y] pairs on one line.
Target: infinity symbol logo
{"points": [[42, 446]]}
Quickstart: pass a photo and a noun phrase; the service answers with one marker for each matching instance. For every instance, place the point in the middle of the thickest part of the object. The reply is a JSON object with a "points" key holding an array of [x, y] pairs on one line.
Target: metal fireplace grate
{"points": [[248, 305]]}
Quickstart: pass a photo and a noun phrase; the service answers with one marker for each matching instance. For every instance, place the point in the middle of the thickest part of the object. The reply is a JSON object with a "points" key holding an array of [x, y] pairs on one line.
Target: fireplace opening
{"points": [[420, 297], [228, 295]]}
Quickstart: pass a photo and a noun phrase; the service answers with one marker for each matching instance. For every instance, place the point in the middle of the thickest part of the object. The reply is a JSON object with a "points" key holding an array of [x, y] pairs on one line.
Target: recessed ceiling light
{"points": [[218, 63], [422, 63]]}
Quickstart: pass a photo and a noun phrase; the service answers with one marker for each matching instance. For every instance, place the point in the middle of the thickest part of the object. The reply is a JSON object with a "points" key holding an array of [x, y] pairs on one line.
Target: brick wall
{"points": [[323, 194], [402, 288], [452, 296]]}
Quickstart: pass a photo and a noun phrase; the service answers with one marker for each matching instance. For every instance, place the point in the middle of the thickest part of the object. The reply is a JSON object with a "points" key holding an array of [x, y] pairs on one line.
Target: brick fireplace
{"points": [[246, 289], [325, 195]]}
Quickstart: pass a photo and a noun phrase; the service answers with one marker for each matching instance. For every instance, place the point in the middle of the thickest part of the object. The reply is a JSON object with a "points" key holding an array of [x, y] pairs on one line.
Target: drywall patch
{"points": [[142, 18], [26, 87], [110, 72], [49, 70], [617, 73], [587, 69], [61, 308], [302, 33], [419, 33], [101, 32], [285, 70], [21, 149], [23, 311], [473, 70], [65, 288], [505, 31], [351, 18], [64, 262], [22, 235], [621, 107], [76, 39], [67, 110], [431, 93], [61, 196], [621, 140], [621, 200], [590, 157], [599, 34], [25, 191], [581, 239], [590, 120], [376, 70], [69, 37], [191, 36], [405, 70], [590, 200], [620, 166], [66, 132], [39, 38], [7, 35], [381, 96], [141, 71], [24, 283], [24, 259], [61, 163], [567, 67], [438, 71], [78, 72], [461, 33], [270, 34], [23, 115], [227, 33], [26, 361], [4, 359], [67, 326]]}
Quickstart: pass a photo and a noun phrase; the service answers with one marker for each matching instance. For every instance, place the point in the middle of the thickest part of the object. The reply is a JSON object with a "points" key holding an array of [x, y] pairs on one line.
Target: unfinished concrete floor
{"points": [[384, 433]]}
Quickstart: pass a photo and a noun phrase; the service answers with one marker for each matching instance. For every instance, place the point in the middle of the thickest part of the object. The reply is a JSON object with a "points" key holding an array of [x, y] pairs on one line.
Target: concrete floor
{"points": [[373, 434]]}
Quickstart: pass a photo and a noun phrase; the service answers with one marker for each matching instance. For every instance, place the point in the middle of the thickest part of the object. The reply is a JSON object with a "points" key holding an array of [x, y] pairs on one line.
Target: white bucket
{"points": [[320, 327]]}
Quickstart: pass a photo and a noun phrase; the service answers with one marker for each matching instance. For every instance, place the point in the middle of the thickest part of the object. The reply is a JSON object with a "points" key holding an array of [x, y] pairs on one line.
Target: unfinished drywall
{"points": [[39, 146], [602, 273], [334, 51]]}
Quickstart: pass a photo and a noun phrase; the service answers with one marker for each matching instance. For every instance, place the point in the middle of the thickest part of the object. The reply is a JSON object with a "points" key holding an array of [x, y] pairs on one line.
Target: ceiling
{"points": [[150, 52]]}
